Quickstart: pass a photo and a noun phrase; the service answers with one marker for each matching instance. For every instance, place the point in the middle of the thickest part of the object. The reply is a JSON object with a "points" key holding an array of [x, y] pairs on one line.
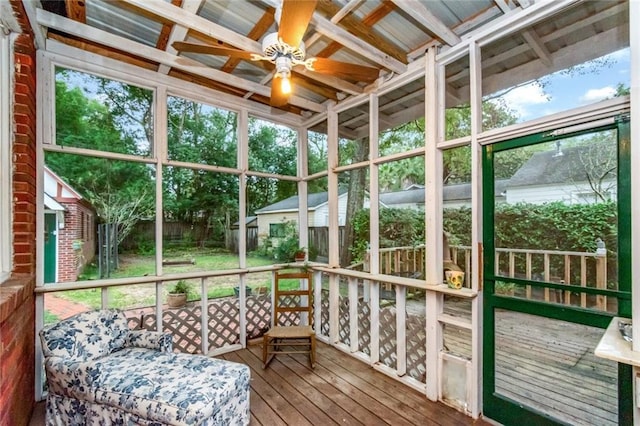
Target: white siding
{"points": [[567, 193]]}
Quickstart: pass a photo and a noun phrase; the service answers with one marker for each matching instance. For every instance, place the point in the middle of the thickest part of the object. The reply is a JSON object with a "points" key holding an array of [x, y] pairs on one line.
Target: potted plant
{"points": [[177, 296], [300, 255]]}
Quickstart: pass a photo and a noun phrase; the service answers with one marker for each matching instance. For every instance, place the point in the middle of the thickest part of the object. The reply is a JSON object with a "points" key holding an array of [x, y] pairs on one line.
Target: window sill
{"points": [[13, 292]]}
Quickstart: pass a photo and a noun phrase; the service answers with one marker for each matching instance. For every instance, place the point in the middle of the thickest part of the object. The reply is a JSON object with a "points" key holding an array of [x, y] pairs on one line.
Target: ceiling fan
{"points": [[286, 50]]}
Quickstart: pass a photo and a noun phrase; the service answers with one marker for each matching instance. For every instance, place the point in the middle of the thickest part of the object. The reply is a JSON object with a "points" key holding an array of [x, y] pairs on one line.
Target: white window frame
{"points": [[6, 184]]}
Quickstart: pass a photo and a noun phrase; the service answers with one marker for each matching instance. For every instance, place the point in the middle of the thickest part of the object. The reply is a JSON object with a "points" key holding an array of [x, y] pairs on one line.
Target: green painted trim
{"points": [[624, 213], [498, 407], [492, 406], [623, 295]]}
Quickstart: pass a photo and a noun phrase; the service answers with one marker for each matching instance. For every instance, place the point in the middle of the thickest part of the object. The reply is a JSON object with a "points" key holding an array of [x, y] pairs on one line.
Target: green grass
{"points": [[127, 297]]}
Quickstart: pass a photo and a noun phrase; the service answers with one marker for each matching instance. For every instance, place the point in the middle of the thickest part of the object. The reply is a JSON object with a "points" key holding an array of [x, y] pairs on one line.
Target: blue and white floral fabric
{"points": [[101, 373]]}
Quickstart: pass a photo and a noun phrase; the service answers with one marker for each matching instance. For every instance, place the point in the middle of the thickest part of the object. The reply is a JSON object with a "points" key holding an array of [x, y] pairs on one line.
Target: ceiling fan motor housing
{"points": [[274, 48]]}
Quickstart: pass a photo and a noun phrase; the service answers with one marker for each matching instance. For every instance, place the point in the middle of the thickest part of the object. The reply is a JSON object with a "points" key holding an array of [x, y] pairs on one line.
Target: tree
{"points": [[272, 149], [356, 187], [119, 190], [199, 133]]}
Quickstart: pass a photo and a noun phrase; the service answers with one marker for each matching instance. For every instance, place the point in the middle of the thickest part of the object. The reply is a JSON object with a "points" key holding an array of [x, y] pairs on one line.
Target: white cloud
{"points": [[594, 95], [521, 98]]}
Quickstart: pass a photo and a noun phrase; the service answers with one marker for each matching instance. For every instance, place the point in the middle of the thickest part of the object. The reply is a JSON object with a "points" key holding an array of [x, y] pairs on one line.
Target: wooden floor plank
{"points": [[341, 389], [281, 405], [298, 398], [379, 403], [388, 388], [333, 410], [334, 393]]}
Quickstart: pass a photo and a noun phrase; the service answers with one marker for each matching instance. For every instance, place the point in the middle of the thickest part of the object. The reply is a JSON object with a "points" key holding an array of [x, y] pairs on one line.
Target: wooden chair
{"points": [[296, 305]]}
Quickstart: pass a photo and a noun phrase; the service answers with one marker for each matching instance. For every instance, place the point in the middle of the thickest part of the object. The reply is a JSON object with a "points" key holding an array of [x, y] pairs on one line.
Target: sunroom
{"points": [[397, 144]]}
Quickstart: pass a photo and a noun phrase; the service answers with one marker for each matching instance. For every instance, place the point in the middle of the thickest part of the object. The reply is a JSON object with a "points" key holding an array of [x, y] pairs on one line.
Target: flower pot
{"points": [[236, 291], [454, 279], [176, 300]]}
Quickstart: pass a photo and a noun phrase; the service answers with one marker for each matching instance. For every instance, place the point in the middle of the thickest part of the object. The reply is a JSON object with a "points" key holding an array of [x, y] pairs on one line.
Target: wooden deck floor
{"points": [[339, 390]]}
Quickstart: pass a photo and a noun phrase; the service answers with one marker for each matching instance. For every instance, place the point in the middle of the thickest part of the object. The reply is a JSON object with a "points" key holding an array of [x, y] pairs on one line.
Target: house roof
{"points": [[71, 192], [314, 201], [250, 221], [51, 204], [551, 167], [454, 192]]}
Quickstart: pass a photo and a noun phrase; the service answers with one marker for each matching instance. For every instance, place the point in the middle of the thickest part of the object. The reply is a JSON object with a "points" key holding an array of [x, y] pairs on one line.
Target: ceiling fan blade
{"points": [[294, 20], [278, 98], [345, 70], [183, 46]]}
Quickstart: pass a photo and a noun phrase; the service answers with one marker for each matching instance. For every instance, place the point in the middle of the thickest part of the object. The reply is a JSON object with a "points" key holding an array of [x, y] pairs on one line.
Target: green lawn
{"points": [[144, 294]]}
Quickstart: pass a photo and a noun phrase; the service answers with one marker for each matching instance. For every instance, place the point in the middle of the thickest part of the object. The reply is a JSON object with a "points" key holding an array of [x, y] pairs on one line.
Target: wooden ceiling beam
{"points": [[529, 36], [163, 38], [217, 32], [351, 42], [320, 89], [60, 23], [337, 17], [190, 20], [559, 33], [362, 29], [258, 30], [103, 51], [76, 10], [473, 22], [178, 32], [431, 23]]}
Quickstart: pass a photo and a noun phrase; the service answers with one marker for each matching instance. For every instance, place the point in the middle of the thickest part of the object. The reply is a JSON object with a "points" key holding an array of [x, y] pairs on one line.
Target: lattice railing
{"points": [[224, 322], [388, 337], [224, 327], [416, 347], [415, 325]]}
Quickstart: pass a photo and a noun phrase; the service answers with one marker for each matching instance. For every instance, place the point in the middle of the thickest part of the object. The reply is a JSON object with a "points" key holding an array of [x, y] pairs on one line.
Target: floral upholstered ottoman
{"points": [[101, 373]]}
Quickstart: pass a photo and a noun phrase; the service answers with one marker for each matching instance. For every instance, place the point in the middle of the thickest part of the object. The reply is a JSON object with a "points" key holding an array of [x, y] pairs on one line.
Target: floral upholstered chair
{"points": [[101, 373]]}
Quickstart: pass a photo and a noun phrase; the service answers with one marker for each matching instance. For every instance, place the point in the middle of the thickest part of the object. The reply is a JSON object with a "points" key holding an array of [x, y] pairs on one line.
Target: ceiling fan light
{"points": [[285, 85]]}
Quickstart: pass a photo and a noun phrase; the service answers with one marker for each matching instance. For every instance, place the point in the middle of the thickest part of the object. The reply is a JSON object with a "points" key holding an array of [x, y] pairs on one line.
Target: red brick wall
{"points": [[17, 308], [67, 256]]}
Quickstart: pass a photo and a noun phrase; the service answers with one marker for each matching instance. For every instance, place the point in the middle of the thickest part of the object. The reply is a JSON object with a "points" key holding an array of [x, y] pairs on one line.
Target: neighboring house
{"points": [[563, 175], [70, 233], [272, 218], [453, 196]]}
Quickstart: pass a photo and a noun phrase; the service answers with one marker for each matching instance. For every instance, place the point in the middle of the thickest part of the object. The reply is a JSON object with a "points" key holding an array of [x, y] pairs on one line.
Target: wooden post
{"points": [[601, 274]]}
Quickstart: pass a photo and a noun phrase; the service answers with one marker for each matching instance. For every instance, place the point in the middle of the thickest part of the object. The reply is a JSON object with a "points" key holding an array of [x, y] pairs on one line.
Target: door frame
{"points": [[50, 253], [499, 407]]}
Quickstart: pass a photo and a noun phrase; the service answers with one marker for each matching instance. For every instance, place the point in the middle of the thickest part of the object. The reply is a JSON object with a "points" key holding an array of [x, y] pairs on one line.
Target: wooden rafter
{"points": [[258, 30], [96, 48], [76, 10], [163, 38], [177, 32], [362, 29], [529, 36], [161, 11], [431, 23], [151, 53]]}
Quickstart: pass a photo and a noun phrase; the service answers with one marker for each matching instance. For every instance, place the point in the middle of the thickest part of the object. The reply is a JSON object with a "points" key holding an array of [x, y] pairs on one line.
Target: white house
{"points": [[564, 175], [272, 218]]}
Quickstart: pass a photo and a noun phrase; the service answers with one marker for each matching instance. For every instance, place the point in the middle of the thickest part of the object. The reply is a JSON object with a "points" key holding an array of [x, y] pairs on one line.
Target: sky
{"points": [[564, 92]]}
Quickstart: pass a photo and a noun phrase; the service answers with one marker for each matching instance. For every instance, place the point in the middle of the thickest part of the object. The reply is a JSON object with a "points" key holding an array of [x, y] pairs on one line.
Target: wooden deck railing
{"points": [[579, 269]]}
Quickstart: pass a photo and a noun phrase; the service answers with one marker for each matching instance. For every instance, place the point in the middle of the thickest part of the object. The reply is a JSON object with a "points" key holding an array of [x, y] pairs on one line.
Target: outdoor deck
{"points": [[339, 390]]}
